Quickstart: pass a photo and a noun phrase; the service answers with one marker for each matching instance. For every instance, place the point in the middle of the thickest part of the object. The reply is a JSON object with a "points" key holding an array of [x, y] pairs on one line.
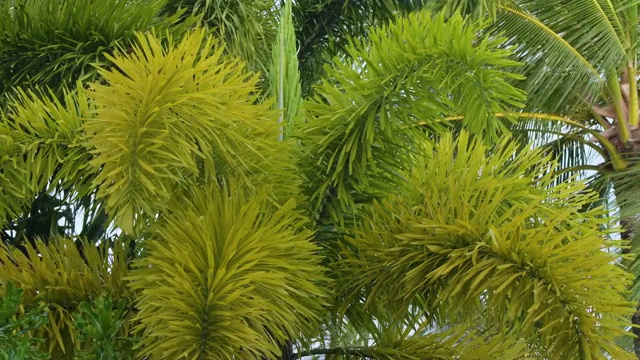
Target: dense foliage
{"points": [[184, 179]]}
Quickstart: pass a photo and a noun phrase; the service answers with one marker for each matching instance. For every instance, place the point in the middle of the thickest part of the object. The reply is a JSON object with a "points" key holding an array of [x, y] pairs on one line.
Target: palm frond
{"points": [[563, 56], [475, 8], [454, 343], [227, 274], [362, 126], [492, 237], [42, 148], [54, 43], [569, 148], [414, 336], [171, 116]]}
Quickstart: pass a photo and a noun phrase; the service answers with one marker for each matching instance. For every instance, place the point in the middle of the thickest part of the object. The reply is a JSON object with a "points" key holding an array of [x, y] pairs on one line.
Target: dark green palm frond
{"points": [[169, 116], [563, 56], [568, 148], [599, 183], [572, 147], [248, 28], [367, 117], [53, 43], [324, 27], [627, 192], [475, 8], [227, 275], [477, 235], [47, 216]]}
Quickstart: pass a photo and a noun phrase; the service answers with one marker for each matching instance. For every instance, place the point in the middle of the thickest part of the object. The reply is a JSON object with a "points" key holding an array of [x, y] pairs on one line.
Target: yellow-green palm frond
{"points": [[419, 339], [53, 43], [491, 235], [41, 147], [227, 275], [362, 126], [58, 275], [415, 336], [172, 115]]}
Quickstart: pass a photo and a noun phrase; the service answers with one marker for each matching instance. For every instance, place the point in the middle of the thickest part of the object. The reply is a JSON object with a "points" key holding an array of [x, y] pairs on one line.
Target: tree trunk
{"points": [[636, 342], [628, 224], [626, 234]]}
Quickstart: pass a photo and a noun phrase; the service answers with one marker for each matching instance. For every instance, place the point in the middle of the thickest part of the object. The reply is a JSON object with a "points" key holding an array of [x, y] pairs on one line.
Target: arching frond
{"points": [[567, 47], [362, 126], [53, 43], [227, 275], [171, 116], [454, 343], [570, 148], [490, 236], [415, 336]]}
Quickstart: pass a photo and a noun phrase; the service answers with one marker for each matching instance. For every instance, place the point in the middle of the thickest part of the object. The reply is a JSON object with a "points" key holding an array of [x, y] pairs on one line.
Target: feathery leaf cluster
{"points": [[476, 235], [58, 275], [364, 121], [231, 274], [169, 115]]}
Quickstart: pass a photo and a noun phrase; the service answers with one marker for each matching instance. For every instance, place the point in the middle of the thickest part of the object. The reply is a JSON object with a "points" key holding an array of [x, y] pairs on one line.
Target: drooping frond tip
{"points": [[372, 111], [491, 237]]}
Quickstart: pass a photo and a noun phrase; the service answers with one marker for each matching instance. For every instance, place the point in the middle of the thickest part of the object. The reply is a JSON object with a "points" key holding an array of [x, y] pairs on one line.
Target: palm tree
{"points": [[368, 227], [53, 44], [580, 67]]}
